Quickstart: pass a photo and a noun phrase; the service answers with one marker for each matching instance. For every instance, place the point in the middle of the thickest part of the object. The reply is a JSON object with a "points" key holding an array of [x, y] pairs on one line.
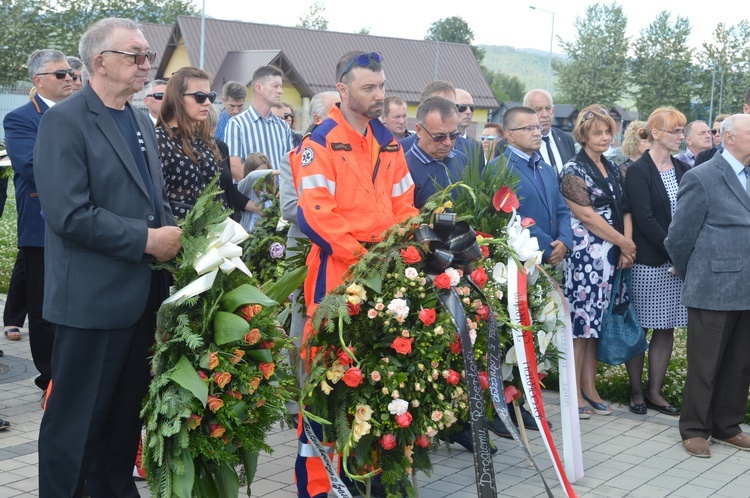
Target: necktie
{"points": [[537, 176], [747, 179], [552, 161]]}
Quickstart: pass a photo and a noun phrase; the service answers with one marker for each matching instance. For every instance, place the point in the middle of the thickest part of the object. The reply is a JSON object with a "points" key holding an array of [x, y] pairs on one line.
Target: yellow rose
{"points": [[360, 429], [363, 413], [336, 371]]}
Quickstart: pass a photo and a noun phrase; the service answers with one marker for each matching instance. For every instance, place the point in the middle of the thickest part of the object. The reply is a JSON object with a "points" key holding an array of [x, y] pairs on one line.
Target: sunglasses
{"points": [[489, 137], [200, 97], [441, 137], [362, 60], [60, 74], [160, 95], [714, 132], [139, 58], [76, 77], [462, 108], [288, 115]]}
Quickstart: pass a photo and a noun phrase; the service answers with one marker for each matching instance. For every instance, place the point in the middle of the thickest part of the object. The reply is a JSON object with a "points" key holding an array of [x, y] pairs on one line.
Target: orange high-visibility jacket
{"points": [[348, 195]]}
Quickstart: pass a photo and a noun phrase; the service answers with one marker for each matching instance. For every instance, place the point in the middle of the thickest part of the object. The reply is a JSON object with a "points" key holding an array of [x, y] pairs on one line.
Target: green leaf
{"points": [[182, 485], [227, 481], [245, 294], [229, 327], [279, 291], [250, 461], [374, 281], [260, 355], [206, 483], [185, 375]]}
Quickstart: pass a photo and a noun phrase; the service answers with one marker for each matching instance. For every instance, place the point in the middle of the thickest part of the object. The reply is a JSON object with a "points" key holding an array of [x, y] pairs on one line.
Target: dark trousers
{"points": [[16, 304], [718, 375], [41, 336], [91, 427]]}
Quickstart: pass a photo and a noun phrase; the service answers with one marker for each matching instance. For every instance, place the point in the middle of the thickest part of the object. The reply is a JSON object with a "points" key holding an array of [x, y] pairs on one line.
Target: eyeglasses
{"points": [[677, 132], [462, 108], [60, 74], [714, 132], [160, 95], [440, 137], [200, 97], [288, 115], [489, 137], [139, 58], [529, 128], [362, 60]]}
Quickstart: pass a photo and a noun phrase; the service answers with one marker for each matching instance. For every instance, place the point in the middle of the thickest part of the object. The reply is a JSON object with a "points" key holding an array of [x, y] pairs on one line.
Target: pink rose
{"points": [[479, 277], [388, 442], [404, 420], [428, 316], [442, 281], [453, 377], [484, 380], [375, 376], [423, 441]]}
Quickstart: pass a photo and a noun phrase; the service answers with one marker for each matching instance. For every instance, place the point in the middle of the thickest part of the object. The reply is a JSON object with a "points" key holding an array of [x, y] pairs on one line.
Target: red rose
{"points": [[353, 309], [423, 441], [453, 377], [402, 345], [442, 281], [483, 313], [479, 277], [343, 357], [214, 403], [411, 255], [484, 380], [511, 394], [456, 345], [428, 316], [388, 442], [404, 420], [485, 251], [267, 369], [266, 345], [353, 377]]}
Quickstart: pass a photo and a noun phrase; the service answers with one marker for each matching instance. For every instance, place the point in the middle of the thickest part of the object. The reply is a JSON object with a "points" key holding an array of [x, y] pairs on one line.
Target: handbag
{"points": [[621, 337]]}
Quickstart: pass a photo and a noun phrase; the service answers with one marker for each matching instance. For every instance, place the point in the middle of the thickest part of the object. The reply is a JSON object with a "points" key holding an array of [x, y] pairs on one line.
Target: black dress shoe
{"points": [[529, 422], [665, 409], [638, 408], [464, 439], [498, 427]]}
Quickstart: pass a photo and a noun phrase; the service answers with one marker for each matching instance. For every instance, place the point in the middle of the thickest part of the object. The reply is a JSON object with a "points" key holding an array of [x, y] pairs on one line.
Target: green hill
{"points": [[528, 65]]}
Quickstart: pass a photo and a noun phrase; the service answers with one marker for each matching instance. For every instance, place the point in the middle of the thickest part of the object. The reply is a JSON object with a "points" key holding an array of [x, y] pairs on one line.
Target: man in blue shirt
{"points": [[433, 162], [233, 96]]}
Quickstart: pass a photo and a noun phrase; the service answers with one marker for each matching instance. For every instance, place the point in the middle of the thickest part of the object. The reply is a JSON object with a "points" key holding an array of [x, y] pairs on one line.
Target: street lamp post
{"points": [[551, 39]]}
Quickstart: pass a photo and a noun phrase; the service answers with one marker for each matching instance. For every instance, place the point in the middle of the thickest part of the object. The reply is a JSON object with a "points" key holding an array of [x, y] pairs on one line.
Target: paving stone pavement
{"points": [[624, 455]]}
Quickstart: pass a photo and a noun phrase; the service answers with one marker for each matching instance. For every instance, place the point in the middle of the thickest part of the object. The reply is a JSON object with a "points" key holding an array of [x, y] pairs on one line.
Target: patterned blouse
{"points": [[184, 179]]}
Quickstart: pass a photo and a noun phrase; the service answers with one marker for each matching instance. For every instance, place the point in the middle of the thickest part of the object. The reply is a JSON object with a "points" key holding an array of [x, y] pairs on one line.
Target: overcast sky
{"points": [[494, 22]]}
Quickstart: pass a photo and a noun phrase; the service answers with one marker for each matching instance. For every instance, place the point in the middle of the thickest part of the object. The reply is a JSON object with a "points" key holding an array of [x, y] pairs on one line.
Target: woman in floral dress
{"points": [[602, 241]]}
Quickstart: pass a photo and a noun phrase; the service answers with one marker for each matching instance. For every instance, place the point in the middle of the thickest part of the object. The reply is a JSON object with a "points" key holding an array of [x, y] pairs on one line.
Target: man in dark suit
{"points": [[707, 241], [51, 75], [465, 108], [107, 219], [557, 146]]}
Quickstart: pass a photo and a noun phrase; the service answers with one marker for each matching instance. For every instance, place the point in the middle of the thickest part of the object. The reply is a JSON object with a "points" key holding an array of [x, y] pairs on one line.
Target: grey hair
{"points": [[96, 38], [85, 75], [74, 62], [443, 106], [39, 58], [691, 124], [151, 85], [318, 104], [728, 126], [530, 93], [234, 90]]}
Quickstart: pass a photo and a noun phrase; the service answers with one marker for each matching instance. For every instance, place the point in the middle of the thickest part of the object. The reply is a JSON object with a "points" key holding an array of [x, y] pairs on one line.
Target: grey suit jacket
{"points": [[97, 213], [709, 236], [288, 199]]}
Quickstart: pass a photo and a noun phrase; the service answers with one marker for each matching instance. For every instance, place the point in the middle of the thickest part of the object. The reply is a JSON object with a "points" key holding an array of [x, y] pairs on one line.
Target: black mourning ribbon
{"points": [[454, 244]]}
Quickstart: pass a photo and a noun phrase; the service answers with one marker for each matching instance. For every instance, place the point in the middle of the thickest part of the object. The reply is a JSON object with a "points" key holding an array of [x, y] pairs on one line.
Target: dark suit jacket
{"points": [[650, 209], [21, 127], [546, 207], [565, 146], [472, 150], [97, 211], [704, 156], [709, 236]]}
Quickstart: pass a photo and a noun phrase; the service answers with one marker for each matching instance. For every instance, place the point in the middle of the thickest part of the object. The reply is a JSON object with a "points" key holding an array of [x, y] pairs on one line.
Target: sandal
{"points": [[602, 408], [584, 412], [13, 334]]}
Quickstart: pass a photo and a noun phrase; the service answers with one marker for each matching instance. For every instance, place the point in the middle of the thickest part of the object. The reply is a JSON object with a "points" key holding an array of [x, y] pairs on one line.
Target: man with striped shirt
{"points": [[257, 129]]}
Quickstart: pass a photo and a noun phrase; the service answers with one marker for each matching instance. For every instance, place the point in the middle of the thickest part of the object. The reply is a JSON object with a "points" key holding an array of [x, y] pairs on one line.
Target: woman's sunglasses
{"points": [[200, 97]]}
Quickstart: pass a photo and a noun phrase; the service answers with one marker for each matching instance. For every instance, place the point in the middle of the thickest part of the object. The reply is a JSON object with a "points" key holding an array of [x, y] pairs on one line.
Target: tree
{"points": [[724, 64], [661, 67], [315, 18], [454, 30], [596, 70], [505, 87], [24, 30]]}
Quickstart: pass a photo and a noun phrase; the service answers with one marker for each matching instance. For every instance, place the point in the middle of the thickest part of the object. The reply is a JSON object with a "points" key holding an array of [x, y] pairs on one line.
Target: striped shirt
{"points": [[249, 132]]}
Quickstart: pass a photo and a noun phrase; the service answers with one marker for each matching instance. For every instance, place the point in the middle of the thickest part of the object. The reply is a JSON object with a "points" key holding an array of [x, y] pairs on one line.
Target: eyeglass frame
{"points": [[60, 74], [465, 107], [200, 97], [714, 132], [452, 136], [156, 95], [372, 56], [288, 115], [490, 137], [673, 132], [528, 128], [149, 55]]}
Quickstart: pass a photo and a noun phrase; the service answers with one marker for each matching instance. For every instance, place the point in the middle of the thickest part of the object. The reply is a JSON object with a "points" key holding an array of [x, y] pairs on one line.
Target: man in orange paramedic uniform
{"points": [[354, 184]]}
